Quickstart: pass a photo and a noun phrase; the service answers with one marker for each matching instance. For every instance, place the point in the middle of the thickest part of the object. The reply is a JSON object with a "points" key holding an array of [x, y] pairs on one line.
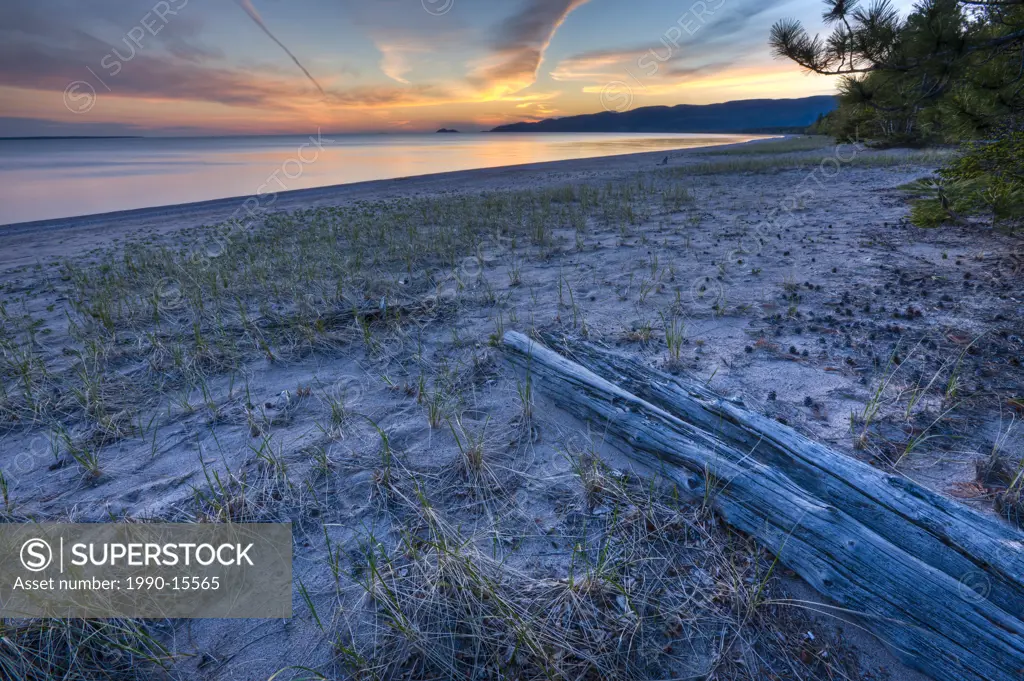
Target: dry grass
{"points": [[1003, 472], [281, 289], [84, 650], [847, 157], [643, 586], [624, 581], [777, 146]]}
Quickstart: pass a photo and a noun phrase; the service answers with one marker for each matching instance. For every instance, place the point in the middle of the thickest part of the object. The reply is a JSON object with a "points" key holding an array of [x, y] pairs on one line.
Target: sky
{"points": [[208, 67]]}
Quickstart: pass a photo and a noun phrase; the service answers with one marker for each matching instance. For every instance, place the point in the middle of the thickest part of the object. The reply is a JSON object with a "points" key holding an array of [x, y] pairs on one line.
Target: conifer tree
{"points": [[950, 70]]}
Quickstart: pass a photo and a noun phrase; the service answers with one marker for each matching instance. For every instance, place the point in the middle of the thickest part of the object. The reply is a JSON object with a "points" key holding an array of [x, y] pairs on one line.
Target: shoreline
{"points": [[292, 197], [24, 243]]}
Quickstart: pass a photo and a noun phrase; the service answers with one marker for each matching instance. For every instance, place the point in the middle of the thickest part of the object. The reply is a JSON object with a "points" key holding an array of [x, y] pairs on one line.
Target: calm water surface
{"points": [[44, 179]]}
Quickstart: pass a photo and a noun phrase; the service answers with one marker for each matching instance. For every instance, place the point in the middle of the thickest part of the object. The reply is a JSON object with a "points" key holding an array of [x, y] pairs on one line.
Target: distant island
{"points": [[747, 115], [447, 130]]}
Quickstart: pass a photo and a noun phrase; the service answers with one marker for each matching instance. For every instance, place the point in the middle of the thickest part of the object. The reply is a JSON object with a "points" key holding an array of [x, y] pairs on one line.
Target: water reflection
{"points": [[43, 179]]}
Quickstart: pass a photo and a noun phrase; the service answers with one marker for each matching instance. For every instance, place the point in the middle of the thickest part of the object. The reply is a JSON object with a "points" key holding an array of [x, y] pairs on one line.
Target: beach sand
{"points": [[789, 267]]}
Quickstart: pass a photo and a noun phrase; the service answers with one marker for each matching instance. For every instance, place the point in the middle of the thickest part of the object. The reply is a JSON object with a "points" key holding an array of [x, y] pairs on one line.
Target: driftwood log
{"points": [[941, 584]]}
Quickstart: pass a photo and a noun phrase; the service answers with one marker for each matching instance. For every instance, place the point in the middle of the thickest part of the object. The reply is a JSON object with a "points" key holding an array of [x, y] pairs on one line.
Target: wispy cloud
{"points": [[521, 41], [394, 62], [153, 77], [598, 64], [634, 65], [532, 97], [484, 62], [255, 16], [397, 58]]}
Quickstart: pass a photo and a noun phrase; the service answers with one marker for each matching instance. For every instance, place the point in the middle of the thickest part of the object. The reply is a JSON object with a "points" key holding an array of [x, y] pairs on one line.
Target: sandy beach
{"points": [[22, 243], [332, 361]]}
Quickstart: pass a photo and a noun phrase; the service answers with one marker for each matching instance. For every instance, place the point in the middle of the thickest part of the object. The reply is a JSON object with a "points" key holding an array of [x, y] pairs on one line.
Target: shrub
{"points": [[987, 179]]}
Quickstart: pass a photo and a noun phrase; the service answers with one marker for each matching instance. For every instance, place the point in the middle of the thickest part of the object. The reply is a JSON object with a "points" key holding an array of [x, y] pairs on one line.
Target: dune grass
{"points": [[637, 584], [845, 156], [86, 650], [646, 586], [777, 146]]}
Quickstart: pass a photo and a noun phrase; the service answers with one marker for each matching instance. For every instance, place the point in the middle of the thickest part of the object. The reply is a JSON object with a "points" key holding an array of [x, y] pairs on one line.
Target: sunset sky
{"points": [[291, 66]]}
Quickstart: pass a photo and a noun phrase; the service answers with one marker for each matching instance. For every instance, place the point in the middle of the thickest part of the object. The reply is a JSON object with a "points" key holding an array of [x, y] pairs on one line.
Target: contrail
{"points": [[255, 16]]}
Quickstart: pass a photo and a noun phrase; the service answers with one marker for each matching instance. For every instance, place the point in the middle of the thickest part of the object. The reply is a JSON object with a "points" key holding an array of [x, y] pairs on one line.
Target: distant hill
{"points": [[747, 115]]}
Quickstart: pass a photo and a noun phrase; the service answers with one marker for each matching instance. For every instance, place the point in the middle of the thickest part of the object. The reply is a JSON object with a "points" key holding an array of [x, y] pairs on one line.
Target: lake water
{"points": [[58, 178]]}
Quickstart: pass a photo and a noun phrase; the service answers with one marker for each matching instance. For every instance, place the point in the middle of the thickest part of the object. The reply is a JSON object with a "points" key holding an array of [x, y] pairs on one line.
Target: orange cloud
{"points": [[717, 85], [597, 65], [524, 38]]}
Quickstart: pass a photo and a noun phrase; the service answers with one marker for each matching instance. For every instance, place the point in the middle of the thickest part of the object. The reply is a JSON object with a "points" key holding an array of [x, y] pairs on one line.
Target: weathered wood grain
{"points": [[958, 540], [876, 544]]}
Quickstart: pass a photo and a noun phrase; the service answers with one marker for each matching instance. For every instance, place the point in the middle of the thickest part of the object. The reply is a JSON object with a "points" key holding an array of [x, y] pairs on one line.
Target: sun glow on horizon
{"points": [[395, 65]]}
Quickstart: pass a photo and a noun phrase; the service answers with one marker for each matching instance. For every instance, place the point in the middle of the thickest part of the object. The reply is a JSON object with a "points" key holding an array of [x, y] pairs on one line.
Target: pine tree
{"points": [[951, 69]]}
